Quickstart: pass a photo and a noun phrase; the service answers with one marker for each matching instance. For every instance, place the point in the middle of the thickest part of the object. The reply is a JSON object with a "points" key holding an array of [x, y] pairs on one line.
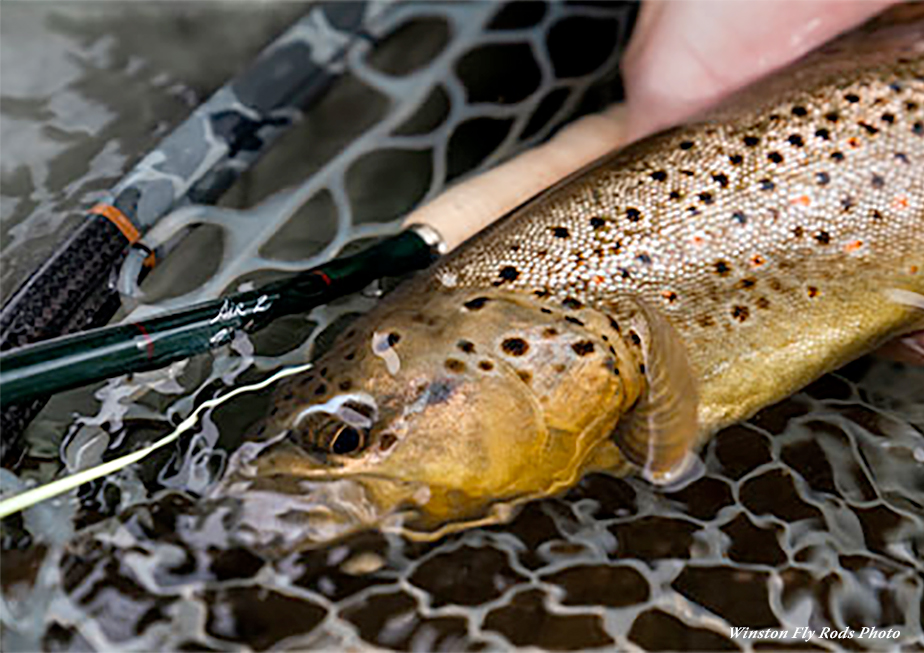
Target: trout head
{"points": [[445, 405]]}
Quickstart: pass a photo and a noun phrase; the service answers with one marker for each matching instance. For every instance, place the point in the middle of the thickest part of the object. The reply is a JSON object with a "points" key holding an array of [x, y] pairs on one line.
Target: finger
{"points": [[685, 55]]}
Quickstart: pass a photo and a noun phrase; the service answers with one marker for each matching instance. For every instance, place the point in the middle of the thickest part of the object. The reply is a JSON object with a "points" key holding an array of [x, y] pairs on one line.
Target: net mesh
{"points": [[811, 514]]}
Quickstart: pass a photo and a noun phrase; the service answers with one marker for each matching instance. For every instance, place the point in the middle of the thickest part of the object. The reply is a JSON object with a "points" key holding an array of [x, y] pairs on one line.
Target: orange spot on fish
{"points": [[599, 279], [913, 269], [853, 246], [802, 200], [757, 260], [669, 295], [900, 202], [699, 241], [853, 142]]}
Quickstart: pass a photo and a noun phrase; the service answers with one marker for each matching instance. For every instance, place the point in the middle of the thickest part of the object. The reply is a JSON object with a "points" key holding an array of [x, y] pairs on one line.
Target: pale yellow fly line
{"points": [[41, 493]]}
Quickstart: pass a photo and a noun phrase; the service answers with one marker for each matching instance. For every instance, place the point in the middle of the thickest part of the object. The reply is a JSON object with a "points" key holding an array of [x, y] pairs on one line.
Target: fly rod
{"points": [[75, 360]]}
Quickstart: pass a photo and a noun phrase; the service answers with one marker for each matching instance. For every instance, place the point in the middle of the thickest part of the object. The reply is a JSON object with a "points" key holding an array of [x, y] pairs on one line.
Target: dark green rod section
{"points": [[72, 361]]}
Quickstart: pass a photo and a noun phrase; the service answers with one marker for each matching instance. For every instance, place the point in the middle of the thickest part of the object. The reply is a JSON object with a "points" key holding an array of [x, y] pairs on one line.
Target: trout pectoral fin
{"points": [[660, 432]]}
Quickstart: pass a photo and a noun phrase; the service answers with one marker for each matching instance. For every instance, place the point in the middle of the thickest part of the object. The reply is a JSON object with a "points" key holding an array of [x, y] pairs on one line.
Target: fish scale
{"points": [[767, 233]]}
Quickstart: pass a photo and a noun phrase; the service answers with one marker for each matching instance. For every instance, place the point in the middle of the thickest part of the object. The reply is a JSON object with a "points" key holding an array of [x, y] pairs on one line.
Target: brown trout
{"points": [[617, 320]]}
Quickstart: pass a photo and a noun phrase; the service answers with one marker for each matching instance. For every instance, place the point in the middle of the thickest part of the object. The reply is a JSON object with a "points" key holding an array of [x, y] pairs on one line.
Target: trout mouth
{"points": [[280, 515]]}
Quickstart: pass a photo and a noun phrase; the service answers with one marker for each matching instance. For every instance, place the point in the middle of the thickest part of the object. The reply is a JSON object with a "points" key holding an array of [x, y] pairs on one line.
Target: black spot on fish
{"points": [[740, 313], [720, 179], [573, 320], [350, 356], [877, 181], [823, 134], [736, 159], [393, 339], [875, 215], [633, 336], [675, 195], [545, 310], [799, 111], [747, 283], [633, 214], [583, 348], [596, 223], [832, 116], [766, 184], [706, 198], [798, 231], [345, 385], [613, 323], [888, 118], [868, 128], [454, 365], [686, 145], [722, 269], [476, 304], [853, 98], [739, 217], [525, 376], [763, 303], [917, 129], [644, 258], [659, 175], [837, 156], [812, 292], [570, 302], [509, 273], [515, 346], [549, 332], [466, 346], [487, 366], [751, 141], [775, 157], [796, 140], [823, 237], [560, 232], [823, 178], [901, 156]]}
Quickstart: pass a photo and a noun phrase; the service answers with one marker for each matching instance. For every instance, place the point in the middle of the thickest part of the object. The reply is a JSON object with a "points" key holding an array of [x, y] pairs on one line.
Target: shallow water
{"points": [[811, 514]]}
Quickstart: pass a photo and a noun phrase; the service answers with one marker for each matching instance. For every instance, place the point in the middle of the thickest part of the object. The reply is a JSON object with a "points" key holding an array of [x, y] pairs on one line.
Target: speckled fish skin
{"points": [[767, 233], [615, 321]]}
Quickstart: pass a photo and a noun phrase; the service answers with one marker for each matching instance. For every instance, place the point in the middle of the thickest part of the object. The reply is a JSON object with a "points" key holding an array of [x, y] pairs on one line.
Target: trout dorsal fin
{"points": [[661, 431]]}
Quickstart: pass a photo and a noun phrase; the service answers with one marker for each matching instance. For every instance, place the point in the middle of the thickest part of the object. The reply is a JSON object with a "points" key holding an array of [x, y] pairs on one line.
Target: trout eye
{"points": [[348, 440], [342, 439], [344, 431]]}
